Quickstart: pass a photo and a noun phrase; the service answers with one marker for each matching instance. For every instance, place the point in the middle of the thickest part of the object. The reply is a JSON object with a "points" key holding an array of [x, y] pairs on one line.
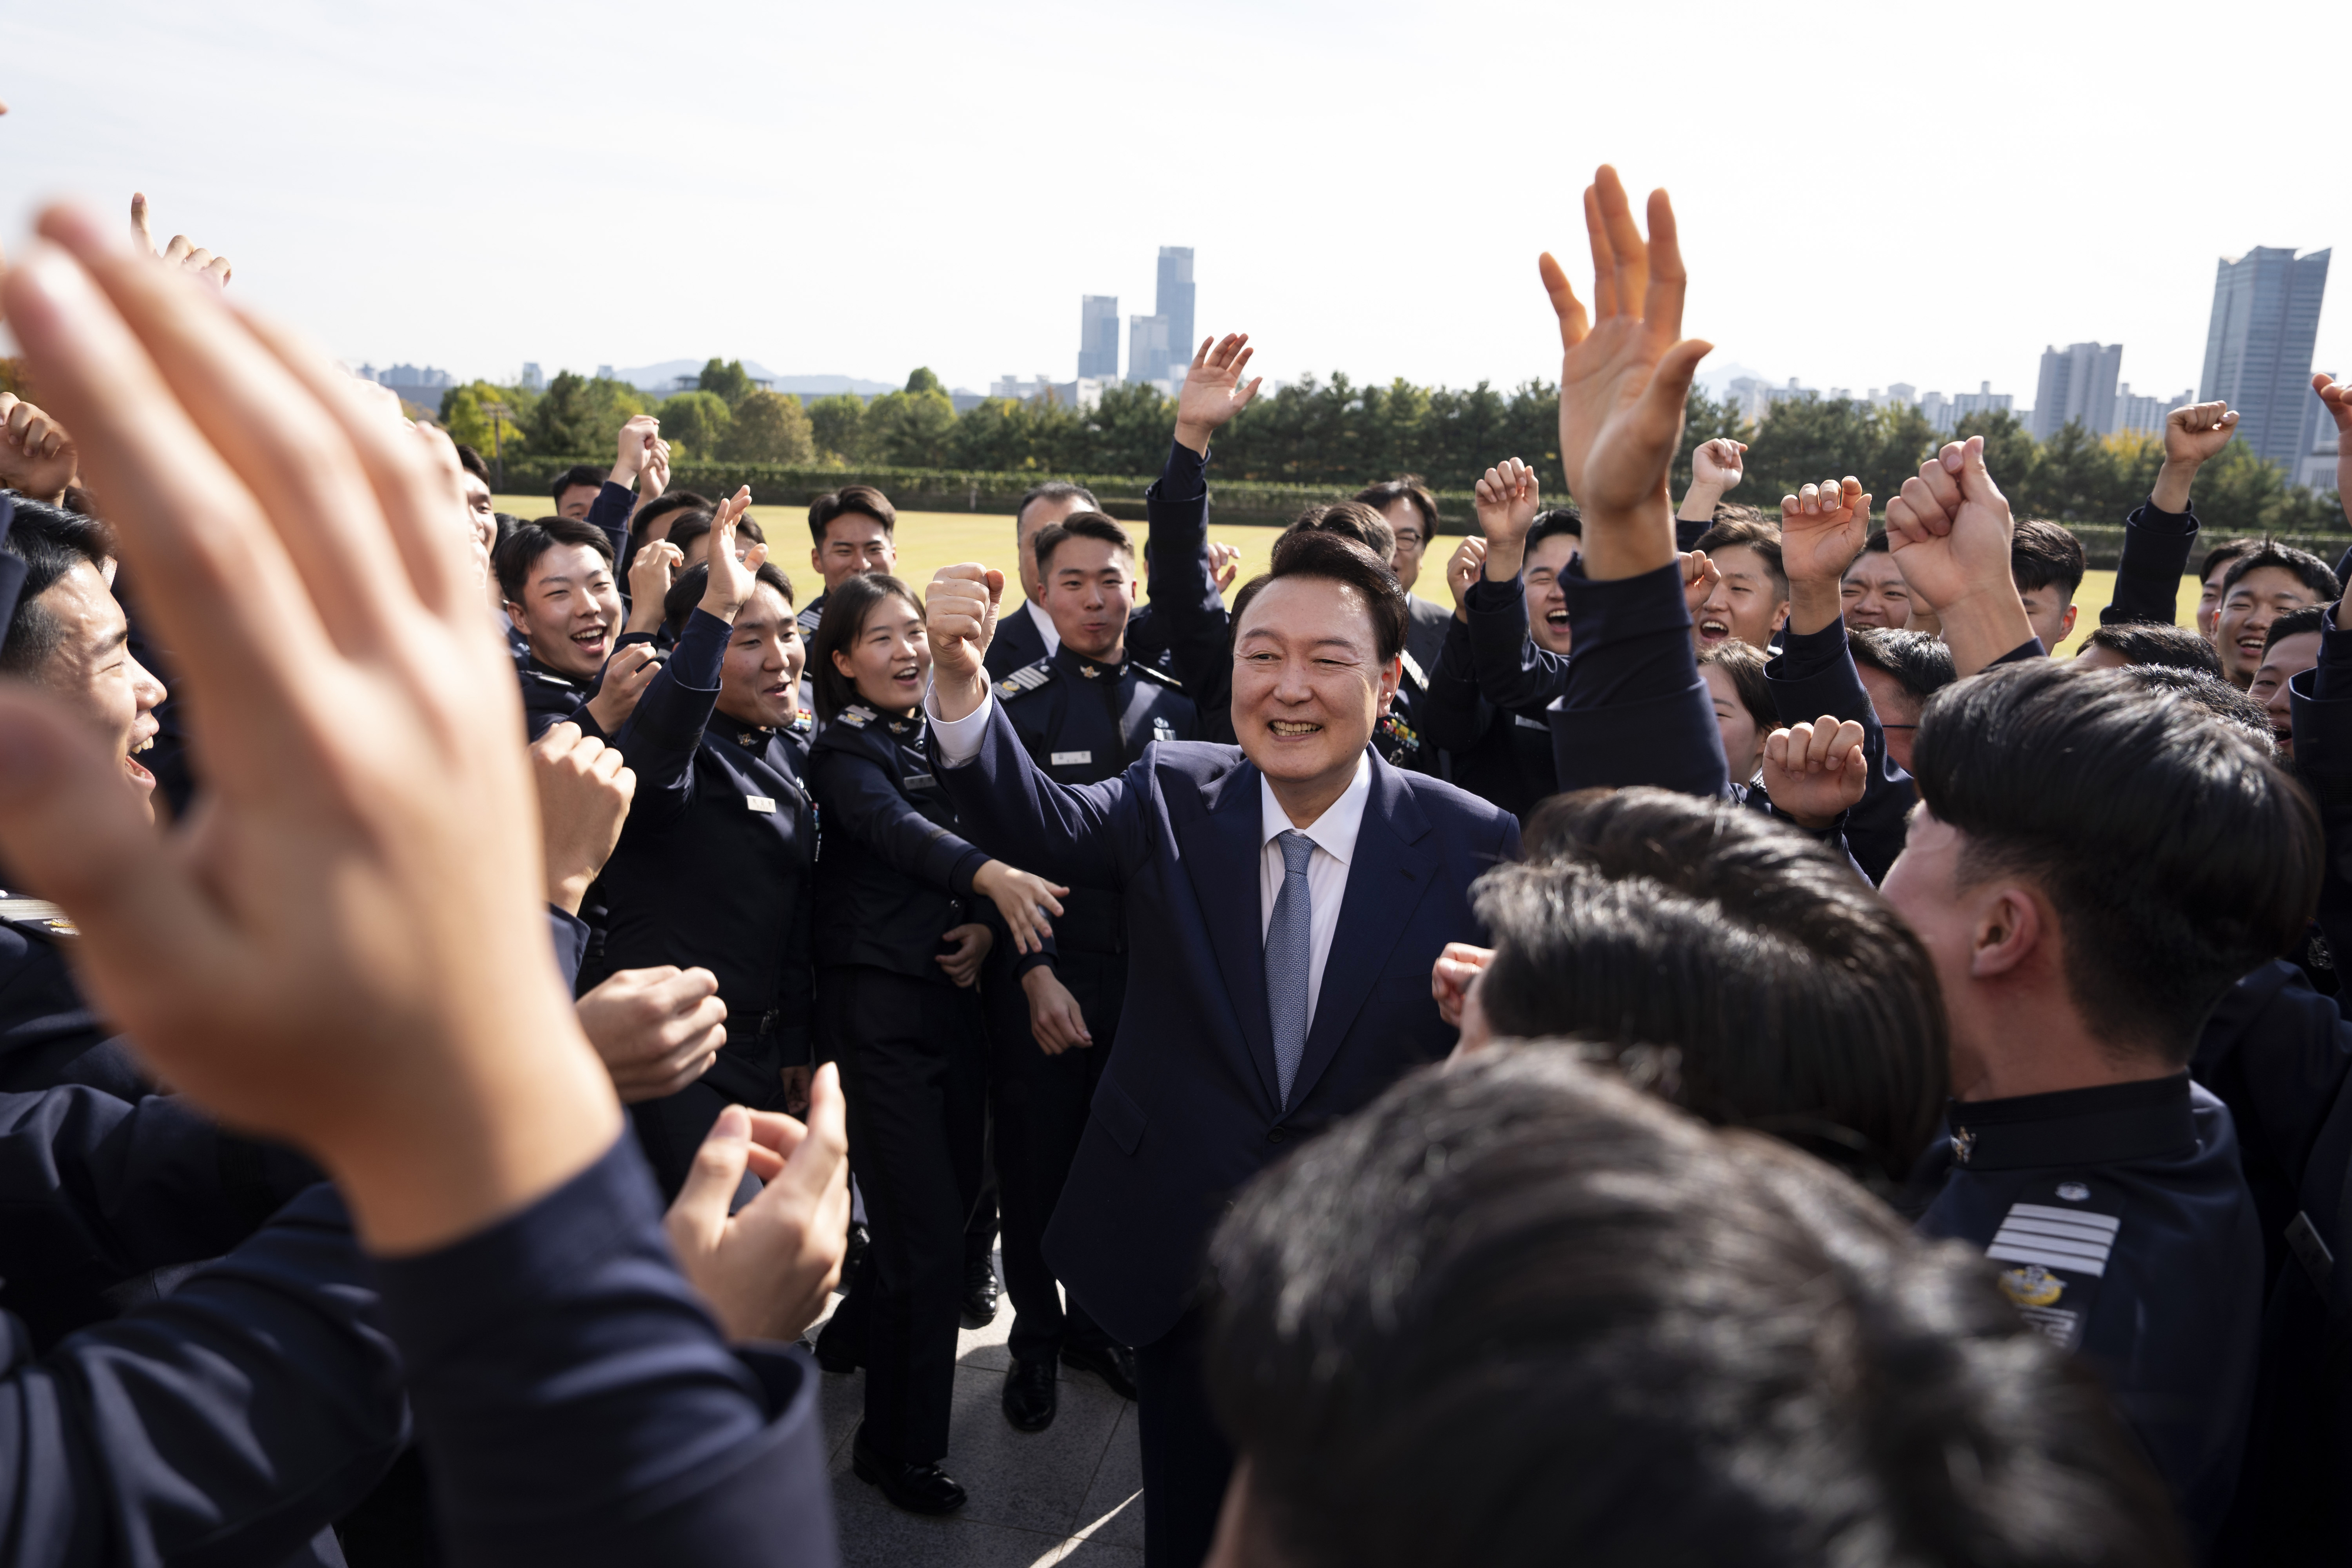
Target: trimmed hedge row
{"points": [[1238, 504]]}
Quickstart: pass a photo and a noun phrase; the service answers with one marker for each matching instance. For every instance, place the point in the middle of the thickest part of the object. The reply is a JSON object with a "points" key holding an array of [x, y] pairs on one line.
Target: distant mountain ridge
{"points": [[663, 377]]}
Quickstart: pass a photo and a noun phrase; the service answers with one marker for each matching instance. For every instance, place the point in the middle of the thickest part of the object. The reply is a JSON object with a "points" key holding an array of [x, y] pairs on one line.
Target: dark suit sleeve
{"points": [[1080, 835], [1457, 717], [581, 1406], [570, 935], [226, 1424], [2321, 701], [610, 511], [859, 799], [1183, 594], [664, 732], [1814, 675], [1513, 673], [2148, 576], [1635, 711]]}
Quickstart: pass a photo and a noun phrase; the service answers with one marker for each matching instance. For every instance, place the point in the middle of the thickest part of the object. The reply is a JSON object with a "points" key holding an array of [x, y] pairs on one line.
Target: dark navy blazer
{"points": [[1187, 1111]]}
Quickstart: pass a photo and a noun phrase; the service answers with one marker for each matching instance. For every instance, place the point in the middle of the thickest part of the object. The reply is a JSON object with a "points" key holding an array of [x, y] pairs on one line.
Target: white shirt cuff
{"points": [[959, 738]]}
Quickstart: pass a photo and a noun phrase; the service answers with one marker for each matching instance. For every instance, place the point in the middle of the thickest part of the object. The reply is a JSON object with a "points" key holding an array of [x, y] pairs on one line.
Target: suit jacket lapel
{"points": [[1220, 851], [1387, 879]]}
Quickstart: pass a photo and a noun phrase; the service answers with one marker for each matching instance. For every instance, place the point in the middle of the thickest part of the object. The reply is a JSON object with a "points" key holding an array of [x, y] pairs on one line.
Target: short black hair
{"points": [[1410, 488], [471, 462], [50, 541], [520, 549], [662, 505], [579, 474], [1349, 519], [2157, 642], [2214, 694], [2305, 566], [2296, 623], [2176, 855], [851, 501], [1079, 526], [1551, 521], [2223, 553], [1877, 544], [1788, 995], [2042, 554], [694, 524], [1920, 663], [686, 592], [1051, 490], [1745, 665], [1756, 533], [1336, 556], [846, 608], [1515, 1314]]}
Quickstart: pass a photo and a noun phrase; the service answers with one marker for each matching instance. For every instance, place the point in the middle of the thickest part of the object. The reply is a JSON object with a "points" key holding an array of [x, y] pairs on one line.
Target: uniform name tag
{"points": [[919, 780], [761, 803], [1524, 722], [1064, 758]]}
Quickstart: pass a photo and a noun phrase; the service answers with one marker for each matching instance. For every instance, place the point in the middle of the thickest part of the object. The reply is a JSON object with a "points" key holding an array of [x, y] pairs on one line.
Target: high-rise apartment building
{"points": [[1174, 304], [2258, 347], [1098, 336], [2145, 415], [2077, 386]]}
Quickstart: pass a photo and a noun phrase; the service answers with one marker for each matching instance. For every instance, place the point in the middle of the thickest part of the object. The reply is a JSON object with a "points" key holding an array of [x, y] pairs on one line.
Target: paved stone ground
{"points": [[1070, 1494]]}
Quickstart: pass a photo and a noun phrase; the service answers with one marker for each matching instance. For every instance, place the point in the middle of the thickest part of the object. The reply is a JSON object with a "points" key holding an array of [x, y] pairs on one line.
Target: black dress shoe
{"points": [[979, 1294], [917, 1488], [1032, 1395], [837, 1347], [1114, 1363]]}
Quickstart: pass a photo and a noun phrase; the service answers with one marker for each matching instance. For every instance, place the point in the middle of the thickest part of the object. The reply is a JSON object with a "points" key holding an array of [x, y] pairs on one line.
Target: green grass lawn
{"points": [[930, 540]]}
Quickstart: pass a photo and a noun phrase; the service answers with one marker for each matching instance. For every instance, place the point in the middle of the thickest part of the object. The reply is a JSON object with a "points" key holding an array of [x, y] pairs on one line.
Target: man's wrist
{"points": [[624, 474], [569, 893], [1194, 437], [1815, 604], [1629, 543], [2170, 491], [1504, 560], [1698, 503], [955, 697]]}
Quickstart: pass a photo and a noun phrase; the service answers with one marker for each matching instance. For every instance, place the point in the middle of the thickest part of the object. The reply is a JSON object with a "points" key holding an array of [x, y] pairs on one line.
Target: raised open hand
{"points": [[345, 947], [1624, 378], [1822, 528], [959, 617], [182, 253], [732, 580], [36, 456], [1718, 465], [1950, 532], [1814, 771], [1214, 390]]}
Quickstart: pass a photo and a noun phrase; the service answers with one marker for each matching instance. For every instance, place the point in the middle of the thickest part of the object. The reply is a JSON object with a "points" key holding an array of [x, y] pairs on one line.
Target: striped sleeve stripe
{"points": [[2013, 1252], [2107, 1222]]}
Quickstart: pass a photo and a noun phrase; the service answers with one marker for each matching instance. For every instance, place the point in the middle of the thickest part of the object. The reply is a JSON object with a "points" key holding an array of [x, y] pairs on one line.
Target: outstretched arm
{"points": [[1716, 468], [1184, 585], [2162, 530]]}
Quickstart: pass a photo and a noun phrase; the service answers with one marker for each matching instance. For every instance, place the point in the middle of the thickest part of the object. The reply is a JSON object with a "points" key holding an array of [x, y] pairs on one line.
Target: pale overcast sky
{"points": [[1869, 193]]}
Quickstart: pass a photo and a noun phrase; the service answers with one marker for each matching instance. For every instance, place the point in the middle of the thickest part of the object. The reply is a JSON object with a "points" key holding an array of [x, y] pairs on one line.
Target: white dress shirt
{"points": [[1334, 833], [1044, 626]]}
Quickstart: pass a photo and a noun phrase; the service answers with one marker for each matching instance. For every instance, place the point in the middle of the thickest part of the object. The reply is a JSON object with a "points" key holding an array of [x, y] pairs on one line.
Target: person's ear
{"points": [[817, 560], [2066, 624], [1392, 677], [2008, 932], [842, 666]]}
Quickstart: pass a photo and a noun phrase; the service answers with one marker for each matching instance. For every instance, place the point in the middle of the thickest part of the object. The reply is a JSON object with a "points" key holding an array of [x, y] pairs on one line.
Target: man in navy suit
{"points": [[1285, 899]]}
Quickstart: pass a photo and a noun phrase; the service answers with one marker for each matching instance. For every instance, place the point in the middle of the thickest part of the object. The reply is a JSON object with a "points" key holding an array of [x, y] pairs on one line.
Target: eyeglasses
{"points": [[1409, 541]]}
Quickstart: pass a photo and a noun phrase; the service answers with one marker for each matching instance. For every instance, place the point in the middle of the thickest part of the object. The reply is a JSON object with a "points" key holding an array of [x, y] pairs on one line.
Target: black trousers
{"points": [[1040, 1103], [1186, 1460], [914, 1064]]}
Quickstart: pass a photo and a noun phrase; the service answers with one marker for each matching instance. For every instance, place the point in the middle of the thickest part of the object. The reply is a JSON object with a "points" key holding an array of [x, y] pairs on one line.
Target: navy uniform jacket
{"points": [[1018, 643], [1187, 1108], [1085, 721], [2156, 544], [1502, 755], [2121, 1228], [1425, 631], [1813, 675], [551, 698], [48, 1034], [716, 862], [893, 878]]}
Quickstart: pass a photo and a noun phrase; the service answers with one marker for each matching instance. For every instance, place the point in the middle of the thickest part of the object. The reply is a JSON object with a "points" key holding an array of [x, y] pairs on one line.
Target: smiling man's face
{"points": [[1308, 681], [1547, 599], [89, 668], [570, 610]]}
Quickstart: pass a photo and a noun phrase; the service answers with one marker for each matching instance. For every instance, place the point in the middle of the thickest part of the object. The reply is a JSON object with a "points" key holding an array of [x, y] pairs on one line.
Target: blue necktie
{"points": [[1289, 953]]}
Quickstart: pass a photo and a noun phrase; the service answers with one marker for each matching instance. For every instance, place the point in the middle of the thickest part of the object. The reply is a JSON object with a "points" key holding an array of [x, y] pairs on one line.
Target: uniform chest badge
{"points": [[2032, 1286], [1162, 730], [1964, 1143], [2074, 1192], [1090, 672]]}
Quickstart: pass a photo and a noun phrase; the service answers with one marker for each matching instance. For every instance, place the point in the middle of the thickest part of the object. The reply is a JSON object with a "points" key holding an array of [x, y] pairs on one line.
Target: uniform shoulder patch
{"points": [[857, 715], [1157, 675], [1027, 678], [2056, 1239], [37, 915]]}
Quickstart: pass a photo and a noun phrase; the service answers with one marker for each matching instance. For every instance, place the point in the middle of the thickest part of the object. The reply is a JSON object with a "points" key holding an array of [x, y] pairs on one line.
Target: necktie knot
{"points": [[1297, 849]]}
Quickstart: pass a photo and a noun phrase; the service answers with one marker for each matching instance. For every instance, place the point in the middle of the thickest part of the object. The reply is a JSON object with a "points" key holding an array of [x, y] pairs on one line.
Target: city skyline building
{"points": [[1173, 300], [2258, 347], [2145, 415], [2077, 386], [1098, 336], [1146, 348]]}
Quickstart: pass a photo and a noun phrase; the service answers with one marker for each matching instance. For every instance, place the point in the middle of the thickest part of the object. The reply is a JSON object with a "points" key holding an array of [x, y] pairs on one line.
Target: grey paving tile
{"points": [[1036, 1480], [1112, 1511], [1096, 1553], [873, 1533]]}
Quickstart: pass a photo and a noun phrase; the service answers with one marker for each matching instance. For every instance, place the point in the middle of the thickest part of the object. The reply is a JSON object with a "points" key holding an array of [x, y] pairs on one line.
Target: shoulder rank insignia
{"points": [[1155, 675], [1027, 678], [36, 915], [2057, 1254], [857, 715], [810, 618], [1413, 668]]}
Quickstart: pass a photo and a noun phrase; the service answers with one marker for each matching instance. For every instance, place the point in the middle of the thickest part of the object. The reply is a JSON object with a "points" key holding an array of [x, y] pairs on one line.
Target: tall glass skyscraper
{"points": [[1174, 305], [2258, 349], [1098, 335]]}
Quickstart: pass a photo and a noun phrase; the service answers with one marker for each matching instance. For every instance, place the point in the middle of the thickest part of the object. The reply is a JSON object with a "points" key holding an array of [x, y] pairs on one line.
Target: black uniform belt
{"points": [[2104, 1125]]}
